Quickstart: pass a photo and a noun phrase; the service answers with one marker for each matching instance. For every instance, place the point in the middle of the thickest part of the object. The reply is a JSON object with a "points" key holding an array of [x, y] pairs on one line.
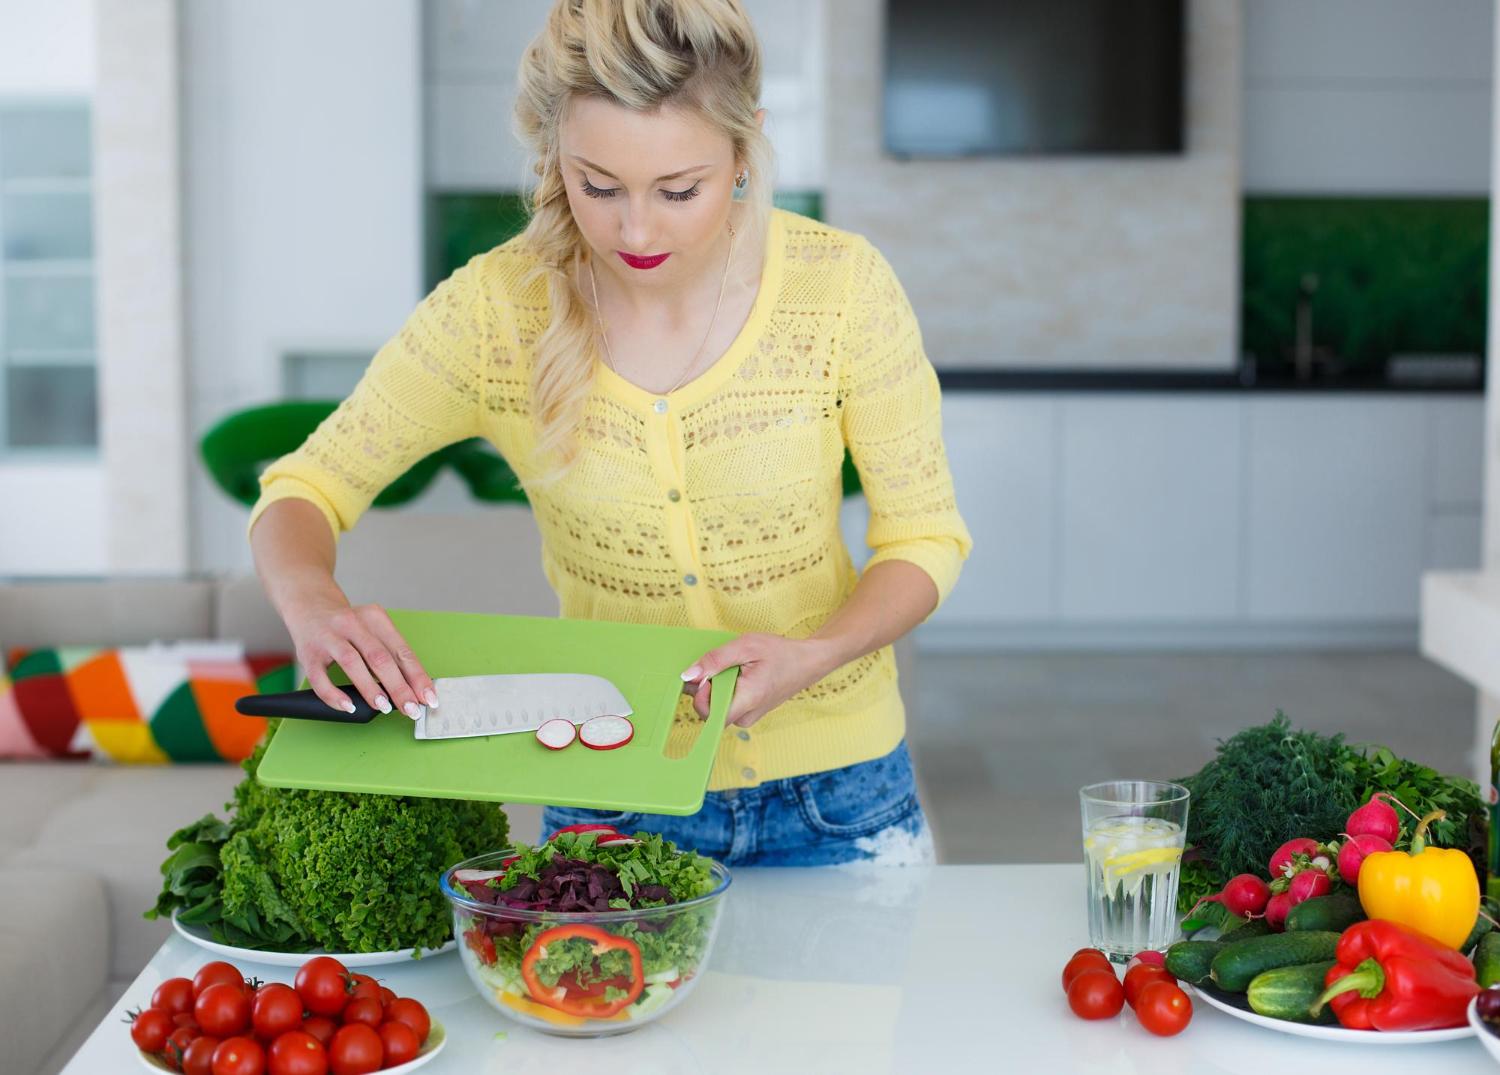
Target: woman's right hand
{"points": [[364, 642]]}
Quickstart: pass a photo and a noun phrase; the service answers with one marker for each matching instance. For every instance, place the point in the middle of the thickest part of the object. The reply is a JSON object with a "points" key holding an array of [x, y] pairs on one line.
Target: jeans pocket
{"points": [[858, 800]]}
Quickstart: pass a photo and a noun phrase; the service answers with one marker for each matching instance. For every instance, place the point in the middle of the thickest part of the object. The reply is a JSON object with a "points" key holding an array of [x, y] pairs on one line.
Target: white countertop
{"points": [[860, 970]]}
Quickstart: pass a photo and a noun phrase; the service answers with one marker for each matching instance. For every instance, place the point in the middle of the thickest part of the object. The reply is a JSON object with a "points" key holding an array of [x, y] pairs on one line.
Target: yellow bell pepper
{"points": [[1433, 890]]}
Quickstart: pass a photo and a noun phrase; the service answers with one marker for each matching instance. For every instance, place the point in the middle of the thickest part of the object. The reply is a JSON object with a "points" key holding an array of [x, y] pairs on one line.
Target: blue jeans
{"points": [[861, 813]]}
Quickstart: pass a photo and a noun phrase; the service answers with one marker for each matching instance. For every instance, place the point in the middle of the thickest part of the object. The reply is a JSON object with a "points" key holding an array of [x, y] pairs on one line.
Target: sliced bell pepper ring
{"points": [[582, 1002]]}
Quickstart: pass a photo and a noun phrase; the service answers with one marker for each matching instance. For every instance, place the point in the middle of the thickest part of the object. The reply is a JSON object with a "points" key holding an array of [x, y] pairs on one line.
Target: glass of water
{"points": [[1133, 833]]}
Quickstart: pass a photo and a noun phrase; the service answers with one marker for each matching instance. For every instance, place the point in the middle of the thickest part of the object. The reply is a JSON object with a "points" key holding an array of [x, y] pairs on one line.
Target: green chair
{"points": [[238, 447]]}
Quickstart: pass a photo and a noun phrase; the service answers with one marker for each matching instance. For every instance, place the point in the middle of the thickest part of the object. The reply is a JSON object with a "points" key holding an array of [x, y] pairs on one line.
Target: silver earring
{"points": [[742, 180]]}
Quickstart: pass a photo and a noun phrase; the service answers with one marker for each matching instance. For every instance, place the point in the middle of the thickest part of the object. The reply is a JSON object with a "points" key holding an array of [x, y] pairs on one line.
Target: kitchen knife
{"points": [[467, 705]]}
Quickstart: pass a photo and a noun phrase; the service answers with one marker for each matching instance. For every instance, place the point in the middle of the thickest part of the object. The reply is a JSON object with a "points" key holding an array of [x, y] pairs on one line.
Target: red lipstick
{"points": [[650, 262]]}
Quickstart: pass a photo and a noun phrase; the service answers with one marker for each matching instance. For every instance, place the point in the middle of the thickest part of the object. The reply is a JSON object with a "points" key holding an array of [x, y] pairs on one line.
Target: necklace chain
{"points": [[599, 314]]}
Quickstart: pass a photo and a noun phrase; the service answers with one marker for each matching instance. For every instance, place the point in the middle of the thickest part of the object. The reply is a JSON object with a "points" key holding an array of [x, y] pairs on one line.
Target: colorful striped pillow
{"points": [[167, 702]]}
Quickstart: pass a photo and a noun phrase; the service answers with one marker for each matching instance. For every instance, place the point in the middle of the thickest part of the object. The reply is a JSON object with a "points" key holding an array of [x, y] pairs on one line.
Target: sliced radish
{"points": [[590, 827], [614, 839], [606, 733], [477, 877], [556, 733]]}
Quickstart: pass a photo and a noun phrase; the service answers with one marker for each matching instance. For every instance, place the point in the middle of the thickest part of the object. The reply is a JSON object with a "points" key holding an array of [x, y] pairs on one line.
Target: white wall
{"points": [[55, 524], [1368, 96], [46, 47], [303, 172]]}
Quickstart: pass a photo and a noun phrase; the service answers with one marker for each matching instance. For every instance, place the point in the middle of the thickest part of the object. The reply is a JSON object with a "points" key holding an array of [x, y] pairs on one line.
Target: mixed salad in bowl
{"points": [[592, 932]]}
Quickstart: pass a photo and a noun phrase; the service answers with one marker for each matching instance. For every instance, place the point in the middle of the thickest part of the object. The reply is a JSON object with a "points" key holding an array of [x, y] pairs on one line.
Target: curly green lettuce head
{"points": [[356, 873]]}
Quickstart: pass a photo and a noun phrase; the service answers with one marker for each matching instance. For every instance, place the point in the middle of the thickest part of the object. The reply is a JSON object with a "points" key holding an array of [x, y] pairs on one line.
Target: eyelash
{"points": [[671, 195]]}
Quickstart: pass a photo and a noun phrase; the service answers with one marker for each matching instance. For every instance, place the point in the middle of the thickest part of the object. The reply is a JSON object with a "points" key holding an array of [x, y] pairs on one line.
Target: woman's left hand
{"points": [[772, 669]]}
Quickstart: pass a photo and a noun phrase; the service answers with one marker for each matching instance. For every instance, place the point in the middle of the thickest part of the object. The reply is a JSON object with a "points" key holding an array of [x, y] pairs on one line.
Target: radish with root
{"points": [[1281, 862], [1308, 884], [1354, 852], [1375, 818], [1276, 911], [1244, 895]]}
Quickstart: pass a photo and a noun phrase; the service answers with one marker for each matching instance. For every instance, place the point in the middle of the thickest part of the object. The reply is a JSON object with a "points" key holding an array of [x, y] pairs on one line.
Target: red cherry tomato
{"points": [[1163, 1009], [222, 1010], [320, 1027], [366, 1010], [323, 984], [1096, 994], [276, 1009], [297, 1053], [178, 1043], [1140, 976], [356, 1050], [1085, 959], [185, 1019], [174, 996], [150, 1029], [408, 1011], [199, 1058], [217, 971], [239, 1056], [387, 995], [400, 1043], [364, 986]]}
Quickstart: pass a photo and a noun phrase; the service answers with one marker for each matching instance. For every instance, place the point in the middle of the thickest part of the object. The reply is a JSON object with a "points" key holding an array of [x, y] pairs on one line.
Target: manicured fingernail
{"points": [[412, 710], [692, 673], [349, 706], [383, 704], [431, 698]]}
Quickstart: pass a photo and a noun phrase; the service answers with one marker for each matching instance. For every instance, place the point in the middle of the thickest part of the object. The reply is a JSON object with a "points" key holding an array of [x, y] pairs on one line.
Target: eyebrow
{"points": [[674, 175]]}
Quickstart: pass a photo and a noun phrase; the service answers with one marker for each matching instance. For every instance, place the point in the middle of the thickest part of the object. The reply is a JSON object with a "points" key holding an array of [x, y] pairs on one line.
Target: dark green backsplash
{"points": [[1394, 275], [460, 225]]}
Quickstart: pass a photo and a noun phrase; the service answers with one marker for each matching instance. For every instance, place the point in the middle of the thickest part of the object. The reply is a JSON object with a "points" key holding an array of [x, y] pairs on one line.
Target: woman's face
{"points": [[643, 185]]}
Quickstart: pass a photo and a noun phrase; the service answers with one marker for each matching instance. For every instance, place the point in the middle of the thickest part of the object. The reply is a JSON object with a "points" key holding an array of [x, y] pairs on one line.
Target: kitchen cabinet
{"points": [[1205, 518]]}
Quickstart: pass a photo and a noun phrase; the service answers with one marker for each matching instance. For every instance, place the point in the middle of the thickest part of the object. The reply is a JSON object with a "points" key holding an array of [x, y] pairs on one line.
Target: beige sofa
{"points": [[81, 843]]}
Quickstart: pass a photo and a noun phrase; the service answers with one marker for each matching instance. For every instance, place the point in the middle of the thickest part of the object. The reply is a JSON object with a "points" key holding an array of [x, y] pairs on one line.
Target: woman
{"points": [[674, 370]]}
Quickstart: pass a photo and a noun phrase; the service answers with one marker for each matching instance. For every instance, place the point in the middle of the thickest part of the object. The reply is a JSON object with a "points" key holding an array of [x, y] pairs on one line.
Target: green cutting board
{"points": [[645, 662]]}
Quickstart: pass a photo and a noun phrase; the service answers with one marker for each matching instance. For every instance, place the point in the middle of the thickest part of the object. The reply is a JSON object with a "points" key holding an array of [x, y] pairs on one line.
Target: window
{"points": [[48, 391]]}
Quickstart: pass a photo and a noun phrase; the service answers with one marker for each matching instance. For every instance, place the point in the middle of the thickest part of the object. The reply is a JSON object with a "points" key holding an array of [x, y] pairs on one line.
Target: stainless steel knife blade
{"points": [[501, 704]]}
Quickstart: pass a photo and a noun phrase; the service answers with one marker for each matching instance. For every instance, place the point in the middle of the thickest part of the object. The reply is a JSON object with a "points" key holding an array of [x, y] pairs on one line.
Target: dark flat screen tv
{"points": [[972, 78]]}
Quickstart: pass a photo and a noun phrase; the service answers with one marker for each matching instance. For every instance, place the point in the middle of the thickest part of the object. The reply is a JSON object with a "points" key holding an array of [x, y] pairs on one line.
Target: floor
{"points": [[1002, 743]]}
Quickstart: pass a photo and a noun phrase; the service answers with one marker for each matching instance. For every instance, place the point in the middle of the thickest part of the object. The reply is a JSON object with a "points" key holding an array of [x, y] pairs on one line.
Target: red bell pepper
{"points": [[1390, 977], [568, 995]]}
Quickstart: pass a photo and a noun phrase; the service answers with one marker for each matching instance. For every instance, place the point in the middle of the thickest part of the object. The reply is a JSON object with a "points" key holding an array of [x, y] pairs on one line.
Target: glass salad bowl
{"points": [[579, 974]]}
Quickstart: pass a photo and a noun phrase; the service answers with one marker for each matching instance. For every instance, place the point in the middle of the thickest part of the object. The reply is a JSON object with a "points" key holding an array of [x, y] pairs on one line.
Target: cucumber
{"points": [[1335, 912], [1190, 960], [1256, 927], [1240, 961], [1290, 992], [1487, 960], [1481, 927]]}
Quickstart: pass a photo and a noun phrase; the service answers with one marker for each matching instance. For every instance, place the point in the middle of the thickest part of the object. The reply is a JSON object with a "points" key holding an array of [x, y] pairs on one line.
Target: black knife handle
{"points": [[306, 705]]}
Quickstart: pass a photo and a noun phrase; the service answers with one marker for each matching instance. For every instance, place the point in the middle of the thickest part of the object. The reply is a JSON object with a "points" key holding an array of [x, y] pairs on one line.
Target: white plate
{"points": [[1336, 1033], [437, 1037], [201, 938], [1487, 1038]]}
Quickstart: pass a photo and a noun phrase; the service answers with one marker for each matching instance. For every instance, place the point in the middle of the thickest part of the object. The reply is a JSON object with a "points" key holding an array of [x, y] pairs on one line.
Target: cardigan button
{"points": [[744, 736], [748, 773], [673, 495], [660, 406], [691, 580]]}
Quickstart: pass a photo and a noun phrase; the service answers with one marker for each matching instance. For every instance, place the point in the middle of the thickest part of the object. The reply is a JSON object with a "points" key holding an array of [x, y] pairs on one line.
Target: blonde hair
{"points": [[698, 55]]}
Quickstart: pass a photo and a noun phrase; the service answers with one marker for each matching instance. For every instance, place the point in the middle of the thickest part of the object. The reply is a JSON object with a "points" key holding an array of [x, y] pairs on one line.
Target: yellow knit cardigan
{"points": [[714, 506]]}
